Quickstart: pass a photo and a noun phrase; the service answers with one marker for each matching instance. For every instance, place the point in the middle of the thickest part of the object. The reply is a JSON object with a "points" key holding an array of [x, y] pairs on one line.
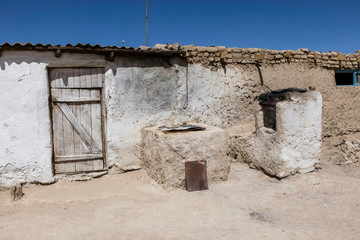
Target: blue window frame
{"points": [[347, 78]]}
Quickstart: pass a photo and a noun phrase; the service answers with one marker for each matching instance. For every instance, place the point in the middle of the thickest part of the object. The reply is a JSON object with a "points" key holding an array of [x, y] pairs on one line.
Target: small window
{"points": [[347, 78]]}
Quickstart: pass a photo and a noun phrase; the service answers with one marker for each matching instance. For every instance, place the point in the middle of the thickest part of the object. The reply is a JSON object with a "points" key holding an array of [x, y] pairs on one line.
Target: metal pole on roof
{"points": [[147, 19]]}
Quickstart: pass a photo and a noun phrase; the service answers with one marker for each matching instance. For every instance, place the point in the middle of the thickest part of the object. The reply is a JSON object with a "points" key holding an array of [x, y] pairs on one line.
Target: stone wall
{"points": [[215, 57]]}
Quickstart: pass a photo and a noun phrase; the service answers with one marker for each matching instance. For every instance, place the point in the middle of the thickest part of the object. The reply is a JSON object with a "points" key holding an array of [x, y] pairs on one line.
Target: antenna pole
{"points": [[147, 19]]}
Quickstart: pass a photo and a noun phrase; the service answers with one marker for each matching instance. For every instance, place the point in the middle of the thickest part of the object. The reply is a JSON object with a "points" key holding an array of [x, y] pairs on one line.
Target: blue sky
{"points": [[273, 24]]}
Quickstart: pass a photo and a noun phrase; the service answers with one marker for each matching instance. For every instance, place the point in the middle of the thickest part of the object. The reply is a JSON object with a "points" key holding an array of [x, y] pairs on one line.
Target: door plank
{"points": [[85, 112], [75, 99], [56, 93], [68, 128], [82, 77], [76, 75], [60, 167], [94, 81], [100, 77], [86, 166], [68, 75], [88, 77], [96, 132], [90, 143], [78, 143], [52, 78], [70, 167], [58, 131], [56, 76], [98, 165]]}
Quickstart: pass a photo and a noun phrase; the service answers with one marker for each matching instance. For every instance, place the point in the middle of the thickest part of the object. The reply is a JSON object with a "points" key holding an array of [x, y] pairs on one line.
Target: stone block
{"points": [[260, 56], [164, 154], [236, 50], [341, 57], [223, 54]]}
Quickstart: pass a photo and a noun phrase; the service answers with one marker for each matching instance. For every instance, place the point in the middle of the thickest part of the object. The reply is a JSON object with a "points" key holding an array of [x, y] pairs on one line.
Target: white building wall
{"points": [[25, 126], [25, 152], [139, 91]]}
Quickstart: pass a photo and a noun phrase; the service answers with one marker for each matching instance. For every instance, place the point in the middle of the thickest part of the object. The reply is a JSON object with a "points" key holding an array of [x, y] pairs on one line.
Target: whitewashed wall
{"points": [[25, 126], [139, 92], [25, 152]]}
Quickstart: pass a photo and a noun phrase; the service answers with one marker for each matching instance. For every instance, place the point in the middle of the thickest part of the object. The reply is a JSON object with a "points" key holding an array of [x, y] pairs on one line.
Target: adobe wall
{"points": [[139, 91], [207, 86], [287, 68], [153, 92]]}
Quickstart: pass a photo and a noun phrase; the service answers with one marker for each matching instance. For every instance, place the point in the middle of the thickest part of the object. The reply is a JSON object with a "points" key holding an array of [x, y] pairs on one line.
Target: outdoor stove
{"points": [[288, 132]]}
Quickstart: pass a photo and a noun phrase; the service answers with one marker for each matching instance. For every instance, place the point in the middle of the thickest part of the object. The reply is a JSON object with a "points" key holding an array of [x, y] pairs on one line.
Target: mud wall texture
{"points": [[139, 92], [153, 91], [288, 68], [214, 86]]}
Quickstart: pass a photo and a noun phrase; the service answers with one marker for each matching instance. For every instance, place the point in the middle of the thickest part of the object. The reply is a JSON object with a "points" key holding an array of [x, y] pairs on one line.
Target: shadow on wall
{"points": [[81, 60], [150, 61], [18, 60]]}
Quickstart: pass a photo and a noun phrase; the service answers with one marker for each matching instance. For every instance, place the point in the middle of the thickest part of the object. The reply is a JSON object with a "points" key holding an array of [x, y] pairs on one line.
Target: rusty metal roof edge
{"points": [[86, 48]]}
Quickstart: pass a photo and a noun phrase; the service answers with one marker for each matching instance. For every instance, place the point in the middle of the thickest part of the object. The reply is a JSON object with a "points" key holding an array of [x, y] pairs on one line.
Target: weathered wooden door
{"points": [[77, 119]]}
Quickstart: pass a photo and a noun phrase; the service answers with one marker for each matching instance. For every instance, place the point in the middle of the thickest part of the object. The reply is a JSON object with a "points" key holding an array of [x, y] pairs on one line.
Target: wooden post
{"points": [[16, 192], [147, 19]]}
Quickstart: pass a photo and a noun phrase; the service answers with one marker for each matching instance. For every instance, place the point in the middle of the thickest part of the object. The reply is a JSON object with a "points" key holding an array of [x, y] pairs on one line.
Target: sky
{"points": [[318, 25]]}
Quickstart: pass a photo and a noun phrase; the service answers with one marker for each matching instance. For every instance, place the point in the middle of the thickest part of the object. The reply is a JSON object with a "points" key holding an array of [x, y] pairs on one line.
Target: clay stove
{"points": [[288, 132]]}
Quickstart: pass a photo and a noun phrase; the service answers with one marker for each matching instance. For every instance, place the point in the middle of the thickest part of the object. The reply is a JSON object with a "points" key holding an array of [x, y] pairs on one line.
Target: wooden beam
{"points": [[112, 56], [74, 99], [75, 158], [58, 53], [76, 87]]}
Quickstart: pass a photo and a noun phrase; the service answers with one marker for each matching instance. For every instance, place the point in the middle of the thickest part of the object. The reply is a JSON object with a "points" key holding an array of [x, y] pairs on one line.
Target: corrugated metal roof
{"points": [[88, 48]]}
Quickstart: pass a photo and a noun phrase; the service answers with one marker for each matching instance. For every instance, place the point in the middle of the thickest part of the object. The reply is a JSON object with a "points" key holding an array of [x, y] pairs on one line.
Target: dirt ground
{"points": [[321, 205]]}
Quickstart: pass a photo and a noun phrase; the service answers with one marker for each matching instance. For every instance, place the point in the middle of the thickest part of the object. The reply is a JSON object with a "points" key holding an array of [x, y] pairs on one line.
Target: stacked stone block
{"points": [[218, 57]]}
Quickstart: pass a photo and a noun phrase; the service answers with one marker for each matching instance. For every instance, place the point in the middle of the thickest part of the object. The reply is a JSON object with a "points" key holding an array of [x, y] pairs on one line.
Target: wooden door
{"points": [[77, 119]]}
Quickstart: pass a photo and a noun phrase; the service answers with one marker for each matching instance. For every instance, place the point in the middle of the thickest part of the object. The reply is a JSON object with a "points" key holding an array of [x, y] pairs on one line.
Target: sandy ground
{"points": [[250, 205]]}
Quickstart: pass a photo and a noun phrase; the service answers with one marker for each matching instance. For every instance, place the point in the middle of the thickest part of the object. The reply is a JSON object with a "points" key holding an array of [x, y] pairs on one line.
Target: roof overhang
{"points": [[109, 51]]}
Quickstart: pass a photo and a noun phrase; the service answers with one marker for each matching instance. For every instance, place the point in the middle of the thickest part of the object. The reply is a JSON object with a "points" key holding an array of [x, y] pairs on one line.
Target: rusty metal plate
{"points": [[196, 176]]}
